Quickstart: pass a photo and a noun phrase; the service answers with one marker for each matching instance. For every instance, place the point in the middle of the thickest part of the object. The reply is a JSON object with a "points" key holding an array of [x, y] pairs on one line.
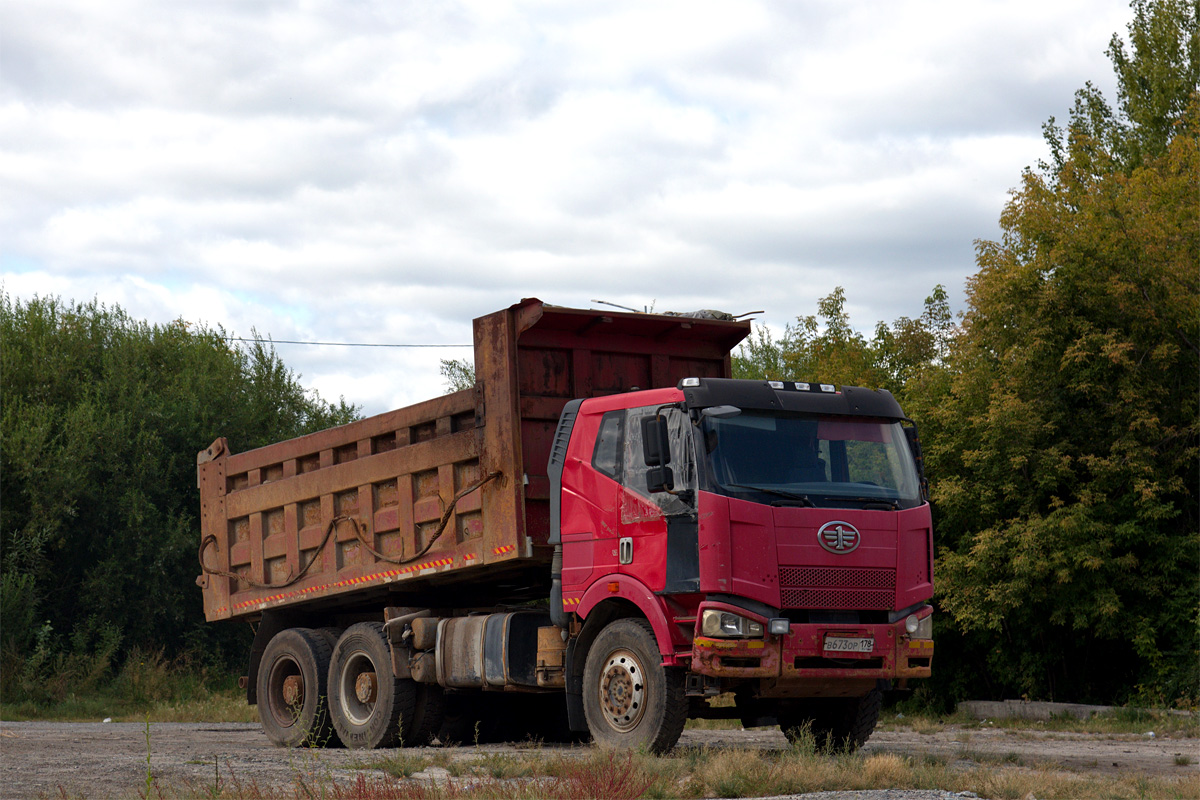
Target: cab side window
{"points": [[606, 455]]}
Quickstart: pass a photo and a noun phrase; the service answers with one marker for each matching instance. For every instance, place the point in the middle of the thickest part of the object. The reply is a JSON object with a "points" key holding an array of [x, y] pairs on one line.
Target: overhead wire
{"points": [[337, 344]]}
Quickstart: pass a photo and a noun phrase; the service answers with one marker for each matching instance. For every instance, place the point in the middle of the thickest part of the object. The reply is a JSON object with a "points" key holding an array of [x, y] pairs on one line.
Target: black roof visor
{"points": [[847, 400]]}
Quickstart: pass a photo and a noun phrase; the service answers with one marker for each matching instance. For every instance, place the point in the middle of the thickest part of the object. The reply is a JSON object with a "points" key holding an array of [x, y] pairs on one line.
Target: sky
{"points": [[383, 172]]}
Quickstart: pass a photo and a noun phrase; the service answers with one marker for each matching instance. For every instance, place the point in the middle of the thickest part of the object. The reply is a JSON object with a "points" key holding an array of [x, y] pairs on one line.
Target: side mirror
{"points": [[656, 444], [914, 443], [659, 479], [656, 452]]}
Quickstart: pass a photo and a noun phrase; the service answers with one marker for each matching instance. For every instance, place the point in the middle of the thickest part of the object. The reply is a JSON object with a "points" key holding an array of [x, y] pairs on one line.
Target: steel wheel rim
{"points": [[356, 711], [283, 713], [623, 690]]}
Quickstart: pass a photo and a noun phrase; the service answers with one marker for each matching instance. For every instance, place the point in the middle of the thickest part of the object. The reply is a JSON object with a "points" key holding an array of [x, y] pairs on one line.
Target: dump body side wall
{"points": [[381, 484]]}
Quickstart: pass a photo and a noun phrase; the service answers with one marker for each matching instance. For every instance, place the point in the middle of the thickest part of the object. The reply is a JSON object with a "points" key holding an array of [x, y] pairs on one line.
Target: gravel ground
{"points": [[100, 760]]}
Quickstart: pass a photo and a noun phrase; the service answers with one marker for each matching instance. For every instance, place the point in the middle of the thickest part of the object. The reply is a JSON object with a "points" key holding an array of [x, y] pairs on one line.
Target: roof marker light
{"points": [[775, 384], [802, 387], [827, 387], [690, 383]]}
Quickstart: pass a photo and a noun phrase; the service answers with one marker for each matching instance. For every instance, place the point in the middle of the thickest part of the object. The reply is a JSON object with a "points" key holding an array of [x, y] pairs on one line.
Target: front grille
{"points": [[837, 587], [837, 598]]}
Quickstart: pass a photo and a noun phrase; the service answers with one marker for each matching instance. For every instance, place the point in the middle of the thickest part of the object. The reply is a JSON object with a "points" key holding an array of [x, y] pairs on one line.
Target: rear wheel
{"points": [[292, 698], [330, 635], [838, 724], [486, 718], [458, 721], [428, 713], [475, 718], [366, 701], [631, 700]]}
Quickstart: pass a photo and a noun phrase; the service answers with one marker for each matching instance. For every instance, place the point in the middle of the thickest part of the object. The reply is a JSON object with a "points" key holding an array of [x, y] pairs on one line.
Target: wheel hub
{"points": [[366, 686], [359, 683], [622, 690], [293, 690]]}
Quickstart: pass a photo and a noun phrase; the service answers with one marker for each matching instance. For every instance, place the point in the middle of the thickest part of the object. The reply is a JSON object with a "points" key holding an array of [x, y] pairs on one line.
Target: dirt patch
{"points": [[99, 760]]}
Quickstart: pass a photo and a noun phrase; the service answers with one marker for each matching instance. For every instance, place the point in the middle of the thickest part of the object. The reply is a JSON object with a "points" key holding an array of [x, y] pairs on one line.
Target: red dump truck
{"points": [[603, 535]]}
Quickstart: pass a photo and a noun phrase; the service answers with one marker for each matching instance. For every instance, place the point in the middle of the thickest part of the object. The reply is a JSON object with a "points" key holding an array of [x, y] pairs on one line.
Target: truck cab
{"points": [[775, 537]]}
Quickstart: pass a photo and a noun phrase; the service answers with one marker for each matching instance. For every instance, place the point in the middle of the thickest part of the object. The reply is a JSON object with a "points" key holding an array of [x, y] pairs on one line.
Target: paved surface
{"points": [[100, 760]]}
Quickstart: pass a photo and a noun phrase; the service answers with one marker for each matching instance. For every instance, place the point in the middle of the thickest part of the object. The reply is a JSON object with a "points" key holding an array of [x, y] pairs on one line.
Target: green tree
{"points": [[913, 351], [761, 357], [1064, 448], [826, 347], [459, 373], [1155, 82], [102, 417], [829, 349]]}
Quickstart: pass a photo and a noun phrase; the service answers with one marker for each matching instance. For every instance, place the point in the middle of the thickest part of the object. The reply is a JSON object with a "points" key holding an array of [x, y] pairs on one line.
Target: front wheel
{"points": [[629, 699]]}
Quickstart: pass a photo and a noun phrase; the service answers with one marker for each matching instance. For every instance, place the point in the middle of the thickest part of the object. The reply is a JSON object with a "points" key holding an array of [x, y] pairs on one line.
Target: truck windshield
{"points": [[797, 459]]}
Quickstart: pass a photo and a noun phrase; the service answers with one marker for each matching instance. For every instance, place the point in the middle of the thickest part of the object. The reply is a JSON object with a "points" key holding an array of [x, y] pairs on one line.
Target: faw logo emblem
{"points": [[839, 537]]}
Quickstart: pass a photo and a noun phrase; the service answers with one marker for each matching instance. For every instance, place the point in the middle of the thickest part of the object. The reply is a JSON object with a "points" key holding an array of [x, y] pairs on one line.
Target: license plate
{"points": [[849, 644]]}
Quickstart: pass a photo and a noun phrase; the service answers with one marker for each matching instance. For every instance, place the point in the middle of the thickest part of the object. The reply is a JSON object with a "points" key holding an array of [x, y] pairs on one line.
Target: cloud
{"points": [[384, 172]]}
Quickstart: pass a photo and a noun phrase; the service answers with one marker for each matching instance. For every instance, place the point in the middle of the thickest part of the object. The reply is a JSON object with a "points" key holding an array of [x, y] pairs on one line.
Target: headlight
{"points": [[723, 624], [919, 628]]}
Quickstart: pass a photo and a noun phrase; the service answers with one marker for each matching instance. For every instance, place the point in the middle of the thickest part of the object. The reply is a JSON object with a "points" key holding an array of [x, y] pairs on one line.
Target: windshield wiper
{"points": [[802, 499]]}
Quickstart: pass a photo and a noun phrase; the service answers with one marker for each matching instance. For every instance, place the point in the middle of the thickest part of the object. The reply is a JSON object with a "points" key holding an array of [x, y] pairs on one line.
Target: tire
{"points": [[362, 661], [427, 718], [838, 724], [485, 718], [293, 703], [428, 714], [458, 721], [331, 635], [752, 711], [631, 700]]}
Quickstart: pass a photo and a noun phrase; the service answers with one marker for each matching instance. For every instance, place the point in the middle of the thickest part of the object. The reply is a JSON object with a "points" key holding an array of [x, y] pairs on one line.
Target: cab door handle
{"points": [[625, 550]]}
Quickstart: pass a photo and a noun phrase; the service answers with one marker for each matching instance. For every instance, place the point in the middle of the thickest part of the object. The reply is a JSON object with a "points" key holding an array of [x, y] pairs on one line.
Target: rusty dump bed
{"points": [[444, 502]]}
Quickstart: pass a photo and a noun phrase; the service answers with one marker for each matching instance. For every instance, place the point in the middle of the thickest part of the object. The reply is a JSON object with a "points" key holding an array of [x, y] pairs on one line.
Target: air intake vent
{"points": [[554, 469], [562, 435]]}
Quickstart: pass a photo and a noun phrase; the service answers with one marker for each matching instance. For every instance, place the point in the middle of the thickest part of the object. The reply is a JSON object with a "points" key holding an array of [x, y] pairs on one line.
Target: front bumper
{"points": [[798, 663]]}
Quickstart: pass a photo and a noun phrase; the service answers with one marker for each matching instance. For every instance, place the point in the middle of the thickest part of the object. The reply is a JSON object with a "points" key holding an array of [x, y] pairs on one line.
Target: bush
{"points": [[102, 418]]}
